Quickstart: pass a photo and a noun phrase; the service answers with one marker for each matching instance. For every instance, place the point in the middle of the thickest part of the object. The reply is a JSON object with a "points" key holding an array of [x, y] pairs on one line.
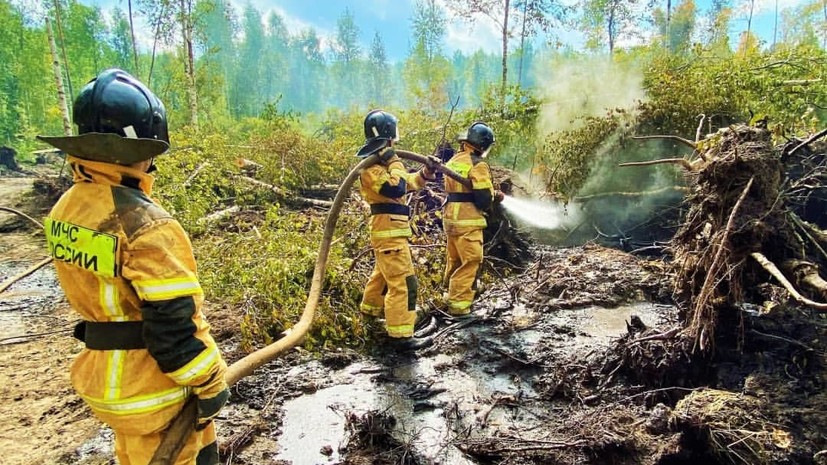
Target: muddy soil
{"points": [[41, 419], [532, 380]]}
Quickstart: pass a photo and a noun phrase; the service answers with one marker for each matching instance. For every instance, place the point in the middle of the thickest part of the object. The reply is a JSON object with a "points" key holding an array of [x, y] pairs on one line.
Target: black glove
{"points": [[386, 154], [209, 407], [429, 170]]}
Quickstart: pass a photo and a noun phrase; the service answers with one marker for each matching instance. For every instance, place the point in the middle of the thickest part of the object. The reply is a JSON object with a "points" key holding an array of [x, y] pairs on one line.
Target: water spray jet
{"points": [[544, 215]]}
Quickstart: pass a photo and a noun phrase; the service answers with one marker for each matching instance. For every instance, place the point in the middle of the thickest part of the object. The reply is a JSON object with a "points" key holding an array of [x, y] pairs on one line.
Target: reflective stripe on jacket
{"points": [[388, 184], [119, 256], [462, 217]]}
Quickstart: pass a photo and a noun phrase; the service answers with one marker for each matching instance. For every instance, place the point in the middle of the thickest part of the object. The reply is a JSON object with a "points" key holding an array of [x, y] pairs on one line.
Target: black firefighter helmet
{"points": [[479, 136], [119, 121], [380, 128]]}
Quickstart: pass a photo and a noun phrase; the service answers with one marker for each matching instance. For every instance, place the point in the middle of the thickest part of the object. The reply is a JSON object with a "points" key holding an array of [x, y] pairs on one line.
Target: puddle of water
{"points": [[598, 325], [316, 420], [33, 295], [313, 421], [611, 322], [310, 422]]}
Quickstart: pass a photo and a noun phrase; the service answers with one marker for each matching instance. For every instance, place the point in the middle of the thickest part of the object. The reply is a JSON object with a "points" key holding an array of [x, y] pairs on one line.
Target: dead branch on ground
{"points": [[282, 193], [776, 273]]}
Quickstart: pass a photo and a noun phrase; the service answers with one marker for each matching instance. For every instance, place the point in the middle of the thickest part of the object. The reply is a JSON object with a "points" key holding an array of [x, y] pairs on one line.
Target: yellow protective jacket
{"points": [[124, 261], [463, 210], [384, 187]]}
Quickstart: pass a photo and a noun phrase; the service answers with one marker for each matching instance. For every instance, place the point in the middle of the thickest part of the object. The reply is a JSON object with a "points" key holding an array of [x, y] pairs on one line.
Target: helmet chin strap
{"points": [[152, 168]]}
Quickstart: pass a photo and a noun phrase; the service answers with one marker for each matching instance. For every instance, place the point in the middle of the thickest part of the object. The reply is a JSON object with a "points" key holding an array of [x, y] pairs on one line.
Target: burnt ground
{"points": [[573, 361]]}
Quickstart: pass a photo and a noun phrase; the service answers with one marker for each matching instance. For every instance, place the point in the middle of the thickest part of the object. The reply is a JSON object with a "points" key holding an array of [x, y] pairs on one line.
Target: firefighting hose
{"points": [[184, 424]]}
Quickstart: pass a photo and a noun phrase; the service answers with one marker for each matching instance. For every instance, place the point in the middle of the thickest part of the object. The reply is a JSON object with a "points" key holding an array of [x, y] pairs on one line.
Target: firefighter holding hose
{"points": [[463, 216], [391, 289], [127, 267]]}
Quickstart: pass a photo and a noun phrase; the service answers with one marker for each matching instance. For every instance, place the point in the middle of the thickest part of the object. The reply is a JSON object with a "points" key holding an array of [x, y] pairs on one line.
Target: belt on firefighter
{"points": [[111, 335], [460, 196], [389, 208]]}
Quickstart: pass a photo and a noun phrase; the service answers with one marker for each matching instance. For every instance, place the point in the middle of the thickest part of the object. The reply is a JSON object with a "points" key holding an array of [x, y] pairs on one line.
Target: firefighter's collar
{"points": [[110, 174]]}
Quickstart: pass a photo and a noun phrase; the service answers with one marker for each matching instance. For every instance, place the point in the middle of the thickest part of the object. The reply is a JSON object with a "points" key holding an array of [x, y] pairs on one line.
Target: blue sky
{"points": [[392, 19]]}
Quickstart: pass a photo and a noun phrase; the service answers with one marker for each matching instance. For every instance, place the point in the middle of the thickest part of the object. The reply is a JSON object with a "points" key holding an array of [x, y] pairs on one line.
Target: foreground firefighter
{"points": [[128, 269], [463, 218], [392, 285]]}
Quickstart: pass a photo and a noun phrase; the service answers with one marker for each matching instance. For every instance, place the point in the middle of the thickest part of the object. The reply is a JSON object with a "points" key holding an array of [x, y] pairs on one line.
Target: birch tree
{"points": [[186, 22], [61, 93]]}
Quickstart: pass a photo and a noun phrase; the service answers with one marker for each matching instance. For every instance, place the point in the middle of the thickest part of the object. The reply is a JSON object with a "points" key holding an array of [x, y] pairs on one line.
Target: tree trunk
{"points": [[158, 22], [522, 49], [668, 24], [505, 53], [63, 49], [824, 4], [61, 94], [775, 26], [189, 60], [611, 27], [132, 36]]}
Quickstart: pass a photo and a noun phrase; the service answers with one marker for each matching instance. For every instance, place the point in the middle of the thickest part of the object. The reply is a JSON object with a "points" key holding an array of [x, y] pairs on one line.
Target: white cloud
{"points": [[294, 24], [468, 38], [765, 6]]}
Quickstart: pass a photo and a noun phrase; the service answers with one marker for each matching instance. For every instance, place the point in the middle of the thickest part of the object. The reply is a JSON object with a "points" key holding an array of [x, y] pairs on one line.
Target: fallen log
{"points": [[220, 214], [282, 193]]}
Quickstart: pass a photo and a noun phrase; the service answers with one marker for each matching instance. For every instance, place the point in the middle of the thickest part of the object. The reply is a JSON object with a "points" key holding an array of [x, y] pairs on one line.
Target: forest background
{"points": [[238, 85]]}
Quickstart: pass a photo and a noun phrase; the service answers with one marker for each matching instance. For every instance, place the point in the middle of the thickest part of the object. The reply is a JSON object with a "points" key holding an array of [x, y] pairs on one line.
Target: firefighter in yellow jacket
{"points": [[392, 286], [127, 267], [463, 218]]}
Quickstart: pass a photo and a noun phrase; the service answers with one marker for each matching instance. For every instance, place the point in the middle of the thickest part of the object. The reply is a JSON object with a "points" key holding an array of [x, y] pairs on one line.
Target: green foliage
{"points": [[266, 272], [788, 85], [568, 156], [514, 126], [28, 102], [194, 178]]}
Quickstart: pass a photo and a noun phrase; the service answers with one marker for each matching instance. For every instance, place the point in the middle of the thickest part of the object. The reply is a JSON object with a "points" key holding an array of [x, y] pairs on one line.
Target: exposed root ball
{"points": [[733, 427]]}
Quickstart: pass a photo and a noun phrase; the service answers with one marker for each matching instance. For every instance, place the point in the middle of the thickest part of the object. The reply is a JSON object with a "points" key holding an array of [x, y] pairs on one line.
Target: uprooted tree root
{"points": [[734, 210], [747, 330]]}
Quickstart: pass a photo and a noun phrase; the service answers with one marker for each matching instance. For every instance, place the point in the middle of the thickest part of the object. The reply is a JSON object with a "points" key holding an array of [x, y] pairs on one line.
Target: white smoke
{"points": [[573, 88]]}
